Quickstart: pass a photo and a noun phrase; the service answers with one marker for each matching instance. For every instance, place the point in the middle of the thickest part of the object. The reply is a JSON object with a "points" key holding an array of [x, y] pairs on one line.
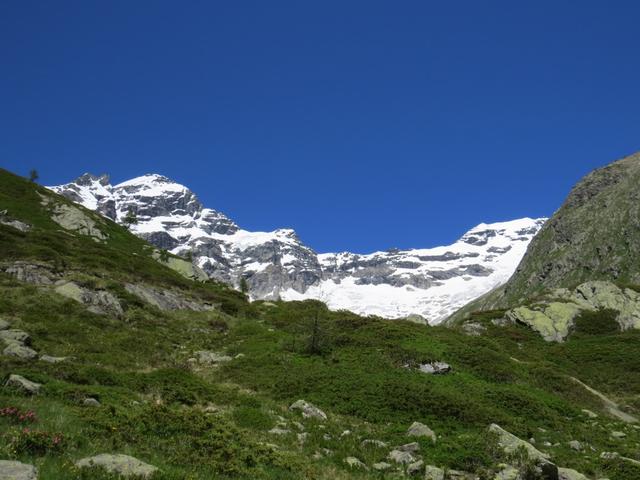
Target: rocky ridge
{"points": [[430, 283]]}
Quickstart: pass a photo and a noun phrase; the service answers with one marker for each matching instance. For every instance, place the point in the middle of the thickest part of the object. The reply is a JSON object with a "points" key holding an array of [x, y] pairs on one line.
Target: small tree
{"points": [[33, 175], [164, 256], [130, 218], [244, 286]]}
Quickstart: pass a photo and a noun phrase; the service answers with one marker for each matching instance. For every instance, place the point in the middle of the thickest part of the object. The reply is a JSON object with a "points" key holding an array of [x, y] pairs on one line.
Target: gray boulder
{"points": [[4, 325], [50, 359], [90, 402], [382, 466], [435, 368], [353, 462], [415, 468], [433, 473], [418, 429], [511, 444], [10, 470], [373, 443], [15, 336], [101, 302], [399, 456], [412, 447], [123, 465], [308, 410], [18, 382], [570, 474], [206, 357], [20, 351]]}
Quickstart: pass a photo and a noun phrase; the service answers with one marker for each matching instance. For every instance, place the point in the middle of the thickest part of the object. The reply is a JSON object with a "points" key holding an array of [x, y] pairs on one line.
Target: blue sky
{"points": [[363, 125]]}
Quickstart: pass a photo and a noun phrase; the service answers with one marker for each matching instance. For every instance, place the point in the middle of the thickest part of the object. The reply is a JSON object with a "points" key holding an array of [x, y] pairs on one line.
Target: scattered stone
{"points": [[345, 433], [15, 335], [416, 318], [10, 470], [399, 456], [308, 410], [20, 351], [412, 447], [433, 473], [100, 302], [123, 465], [209, 358], [4, 325], [165, 299], [508, 472], [618, 434], [20, 383], [511, 444], [473, 329], [353, 462], [91, 402], [575, 445], [589, 413], [415, 468], [326, 437], [459, 475], [418, 429], [570, 474], [302, 437], [435, 368], [373, 443], [298, 425], [279, 431], [382, 466], [30, 272], [50, 359], [5, 219]]}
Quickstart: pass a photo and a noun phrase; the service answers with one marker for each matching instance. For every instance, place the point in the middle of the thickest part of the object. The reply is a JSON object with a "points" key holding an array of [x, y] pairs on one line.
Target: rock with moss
{"points": [[15, 335], [418, 429], [52, 359], [398, 456], [20, 351], [433, 473], [570, 474], [308, 410], [165, 299], [553, 321], [101, 302], [4, 325], [74, 219], [512, 445], [18, 382], [11, 470], [184, 267], [354, 462], [123, 465]]}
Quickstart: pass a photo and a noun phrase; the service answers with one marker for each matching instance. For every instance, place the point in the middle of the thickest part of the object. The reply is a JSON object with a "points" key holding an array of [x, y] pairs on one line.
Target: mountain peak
{"points": [[431, 282]]}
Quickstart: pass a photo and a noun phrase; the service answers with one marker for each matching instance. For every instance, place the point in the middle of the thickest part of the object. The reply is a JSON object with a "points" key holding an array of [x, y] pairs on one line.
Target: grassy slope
{"points": [[153, 398]]}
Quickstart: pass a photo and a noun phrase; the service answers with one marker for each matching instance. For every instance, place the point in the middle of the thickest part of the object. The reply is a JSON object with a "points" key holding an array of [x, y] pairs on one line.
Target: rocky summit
{"points": [[427, 284]]}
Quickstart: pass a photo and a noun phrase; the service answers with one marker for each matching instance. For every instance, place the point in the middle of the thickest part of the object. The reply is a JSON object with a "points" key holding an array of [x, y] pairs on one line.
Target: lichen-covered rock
{"points": [[19, 351], [373, 443], [211, 358], [15, 335], [5, 219], [508, 472], [418, 429], [183, 267], [433, 473], [123, 465], [72, 218], [97, 301], [399, 456], [4, 325], [511, 444], [51, 359], [10, 470], [409, 447], [30, 272], [165, 299], [308, 410], [553, 320], [354, 462], [382, 466], [415, 468], [570, 474], [435, 368], [20, 383]]}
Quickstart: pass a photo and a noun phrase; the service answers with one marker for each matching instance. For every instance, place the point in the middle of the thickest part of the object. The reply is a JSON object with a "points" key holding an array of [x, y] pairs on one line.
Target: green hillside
{"points": [[191, 378]]}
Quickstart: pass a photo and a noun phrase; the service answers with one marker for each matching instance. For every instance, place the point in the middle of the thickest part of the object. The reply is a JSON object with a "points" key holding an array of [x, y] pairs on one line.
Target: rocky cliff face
{"points": [[431, 282]]}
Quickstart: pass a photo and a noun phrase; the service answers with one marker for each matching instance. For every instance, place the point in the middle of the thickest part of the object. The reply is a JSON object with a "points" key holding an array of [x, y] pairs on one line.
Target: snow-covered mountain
{"points": [[430, 282]]}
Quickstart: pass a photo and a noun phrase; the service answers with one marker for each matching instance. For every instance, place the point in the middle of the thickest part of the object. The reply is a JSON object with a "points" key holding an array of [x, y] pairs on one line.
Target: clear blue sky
{"points": [[364, 125]]}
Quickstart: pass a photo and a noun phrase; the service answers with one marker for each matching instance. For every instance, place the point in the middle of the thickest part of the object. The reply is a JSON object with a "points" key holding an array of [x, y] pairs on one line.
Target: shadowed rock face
{"points": [[277, 264]]}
